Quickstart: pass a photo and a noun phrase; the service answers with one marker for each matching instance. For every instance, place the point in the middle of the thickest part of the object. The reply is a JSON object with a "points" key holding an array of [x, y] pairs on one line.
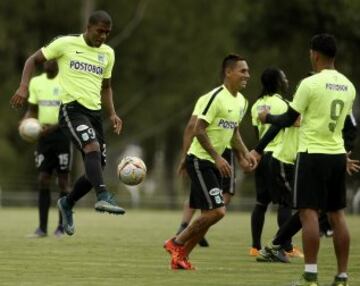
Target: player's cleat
{"points": [[303, 281], [278, 254], [338, 281], [203, 242], [106, 203], [253, 251], [264, 256], [38, 233], [295, 252], [170, 246], [59, 231], [67, 216], [179, 258]]}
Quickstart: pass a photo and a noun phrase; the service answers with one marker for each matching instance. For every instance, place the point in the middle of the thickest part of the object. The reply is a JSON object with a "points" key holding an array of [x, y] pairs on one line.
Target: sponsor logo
{"points": [[82, 127], [336, 87], [227, 124], [215, 192], [81, 66]]}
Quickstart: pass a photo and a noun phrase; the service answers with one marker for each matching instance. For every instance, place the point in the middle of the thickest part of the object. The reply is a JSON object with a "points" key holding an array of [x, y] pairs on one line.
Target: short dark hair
{"points": [[229, 61], [324, 44], [100, 16], [271, 81]]}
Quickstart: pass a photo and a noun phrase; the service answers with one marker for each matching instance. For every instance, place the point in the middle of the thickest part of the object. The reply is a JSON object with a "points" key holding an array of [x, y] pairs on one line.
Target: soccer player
{"points": [[228, 183], [54, 150], [85, 67], [323, 100], [285, 154], [216, 128], [274, 84]]}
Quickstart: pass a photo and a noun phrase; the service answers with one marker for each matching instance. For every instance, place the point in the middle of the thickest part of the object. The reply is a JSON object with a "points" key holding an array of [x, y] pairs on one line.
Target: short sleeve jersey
{"points": [[275, 105], [45, 93], [323, 100], [223, 112], [81, 69]]}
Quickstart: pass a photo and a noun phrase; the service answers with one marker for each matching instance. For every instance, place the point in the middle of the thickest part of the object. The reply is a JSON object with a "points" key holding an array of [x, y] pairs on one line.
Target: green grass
{"points": [[127, 250]]}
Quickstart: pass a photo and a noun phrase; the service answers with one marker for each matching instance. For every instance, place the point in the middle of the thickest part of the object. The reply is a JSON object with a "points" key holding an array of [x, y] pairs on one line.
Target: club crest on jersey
{"points": [[101, 57]]}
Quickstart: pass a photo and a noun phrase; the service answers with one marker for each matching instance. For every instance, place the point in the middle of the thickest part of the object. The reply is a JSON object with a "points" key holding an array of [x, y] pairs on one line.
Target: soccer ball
{"points": [[131, 170], [29, 129]]}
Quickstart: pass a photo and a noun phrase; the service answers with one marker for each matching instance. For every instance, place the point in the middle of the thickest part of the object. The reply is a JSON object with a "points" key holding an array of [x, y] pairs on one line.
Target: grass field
{"points": [[127, 250]]}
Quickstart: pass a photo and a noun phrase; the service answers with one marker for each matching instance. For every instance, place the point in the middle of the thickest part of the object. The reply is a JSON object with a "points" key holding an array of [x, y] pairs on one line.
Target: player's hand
{"points": [[255, 154], [20, 96], [223, 166], [262, 115], [352, 166], [244, 165], [253, 159], [116, 123]]}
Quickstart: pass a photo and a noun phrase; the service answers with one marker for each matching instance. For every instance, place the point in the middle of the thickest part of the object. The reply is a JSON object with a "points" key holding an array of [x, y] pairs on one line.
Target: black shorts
{"points": [[82, 126], [320, 181], [262, 180], [228, 183], [54, 152], [206, 188], [281, 182]]}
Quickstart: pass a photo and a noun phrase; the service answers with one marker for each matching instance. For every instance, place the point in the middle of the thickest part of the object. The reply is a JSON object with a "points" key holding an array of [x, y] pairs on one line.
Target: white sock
{"points": [[312, 268], [342, 275]]}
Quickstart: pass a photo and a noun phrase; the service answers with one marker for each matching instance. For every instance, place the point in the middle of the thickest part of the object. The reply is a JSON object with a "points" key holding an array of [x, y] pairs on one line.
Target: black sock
{"points": [[93, 171], [182, 227], [81, 187], [44, 205], [284, 214], [257, 223], [288, 229]]}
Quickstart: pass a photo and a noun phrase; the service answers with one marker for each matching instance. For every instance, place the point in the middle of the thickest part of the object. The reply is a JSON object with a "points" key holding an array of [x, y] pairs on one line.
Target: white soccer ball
{"points": [[131, 170], [29, 129]]}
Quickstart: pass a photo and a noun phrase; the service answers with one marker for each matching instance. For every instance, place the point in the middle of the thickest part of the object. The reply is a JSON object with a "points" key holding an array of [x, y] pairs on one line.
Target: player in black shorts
{"points": [[54, 150], [85, 70]]}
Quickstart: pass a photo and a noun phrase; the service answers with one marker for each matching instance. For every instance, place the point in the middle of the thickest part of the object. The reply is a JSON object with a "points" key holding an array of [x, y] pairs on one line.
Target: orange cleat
{"points": [[253, 252], [295, 252], [179, 259]]}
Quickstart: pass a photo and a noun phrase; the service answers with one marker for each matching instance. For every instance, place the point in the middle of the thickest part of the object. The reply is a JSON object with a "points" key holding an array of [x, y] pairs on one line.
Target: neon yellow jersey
{"points": [[198, 105], [286, 150], [81, 69], [275, 105], [323, 100], [223, 112], [45, 93]]}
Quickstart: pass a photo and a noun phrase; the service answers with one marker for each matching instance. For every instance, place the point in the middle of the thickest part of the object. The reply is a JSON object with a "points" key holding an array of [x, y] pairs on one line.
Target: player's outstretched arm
{"points": [[108, 103], [19, 98]]}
